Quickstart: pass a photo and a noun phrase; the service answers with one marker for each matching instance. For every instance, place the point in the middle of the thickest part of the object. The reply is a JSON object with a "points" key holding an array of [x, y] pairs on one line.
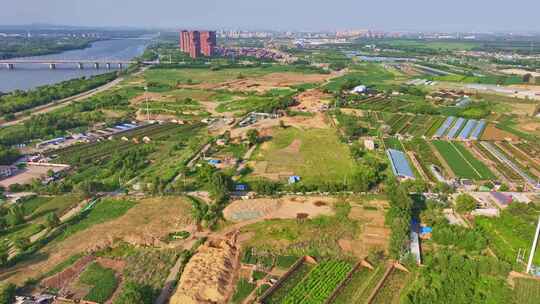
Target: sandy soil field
{"points": [[283, 208]]}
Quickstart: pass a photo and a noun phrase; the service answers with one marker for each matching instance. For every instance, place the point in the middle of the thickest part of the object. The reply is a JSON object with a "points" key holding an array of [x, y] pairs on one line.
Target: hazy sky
{"points": [[458, 15]]}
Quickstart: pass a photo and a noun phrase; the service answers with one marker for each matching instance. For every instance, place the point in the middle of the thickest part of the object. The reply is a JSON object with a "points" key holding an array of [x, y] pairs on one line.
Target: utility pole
{"points": [[533, 249], [146, 98]]}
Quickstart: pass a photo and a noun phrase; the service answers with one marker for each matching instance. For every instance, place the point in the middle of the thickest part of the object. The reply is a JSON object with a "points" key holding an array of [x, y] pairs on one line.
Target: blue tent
{"points": [[294, 179], [425, 230], [240, 187]]}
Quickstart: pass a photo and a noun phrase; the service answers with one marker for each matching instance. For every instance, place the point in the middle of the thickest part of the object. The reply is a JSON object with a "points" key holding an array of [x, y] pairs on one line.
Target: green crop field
{"points": [[461, 161], [360, 286], [480, 167], [390, 291], [296, 277], [319, 284]]}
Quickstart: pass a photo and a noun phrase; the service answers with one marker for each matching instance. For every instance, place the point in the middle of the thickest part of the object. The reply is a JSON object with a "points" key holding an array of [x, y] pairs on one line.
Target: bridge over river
{"points": [[79, 63]]}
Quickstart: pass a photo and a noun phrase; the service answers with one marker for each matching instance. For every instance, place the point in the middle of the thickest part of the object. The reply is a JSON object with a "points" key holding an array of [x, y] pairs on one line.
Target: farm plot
{"points": [[461, 161], [418, 125], [319, 284], [520, 160], [501, 167], [520, 155], [102, 282], [435, 124], [425, 156], [393, 143], [526, 291], [294, 279], [390, 291], [361, 285]]}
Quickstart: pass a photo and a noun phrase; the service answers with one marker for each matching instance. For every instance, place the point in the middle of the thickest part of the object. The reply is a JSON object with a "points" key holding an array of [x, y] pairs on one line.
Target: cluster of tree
{"points": [[398, 218], [450, 277], [8, 155], [11, 47], [7, 293], [276, 104], [460, 237], [465, 203], [22, 100], [54, 124]]}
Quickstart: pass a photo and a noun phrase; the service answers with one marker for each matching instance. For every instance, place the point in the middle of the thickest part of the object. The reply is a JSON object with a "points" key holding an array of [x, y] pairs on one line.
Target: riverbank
{"points": [[38, 47]]}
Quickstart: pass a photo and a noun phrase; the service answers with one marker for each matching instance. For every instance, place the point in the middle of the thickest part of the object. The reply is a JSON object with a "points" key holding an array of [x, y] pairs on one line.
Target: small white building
{"points": [[359, 89]]}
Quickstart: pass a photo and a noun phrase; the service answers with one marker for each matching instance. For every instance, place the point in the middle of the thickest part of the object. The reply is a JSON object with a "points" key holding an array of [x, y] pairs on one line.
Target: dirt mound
{"points": [[208, 274]]}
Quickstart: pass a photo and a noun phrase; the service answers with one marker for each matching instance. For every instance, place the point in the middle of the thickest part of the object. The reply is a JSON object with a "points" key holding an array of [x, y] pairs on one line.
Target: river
{"points": [[28, 76]]}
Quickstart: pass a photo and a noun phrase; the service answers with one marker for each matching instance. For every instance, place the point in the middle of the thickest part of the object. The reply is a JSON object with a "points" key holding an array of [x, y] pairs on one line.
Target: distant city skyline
{"points": [[297, 15]]}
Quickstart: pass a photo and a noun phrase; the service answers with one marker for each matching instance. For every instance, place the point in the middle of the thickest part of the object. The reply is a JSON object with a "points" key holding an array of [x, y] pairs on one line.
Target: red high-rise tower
{"points": [[196, 43]]}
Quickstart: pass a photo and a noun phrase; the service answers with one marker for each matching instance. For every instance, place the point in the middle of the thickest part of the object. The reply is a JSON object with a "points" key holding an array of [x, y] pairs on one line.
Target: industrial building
{"points": [[198, 43]]}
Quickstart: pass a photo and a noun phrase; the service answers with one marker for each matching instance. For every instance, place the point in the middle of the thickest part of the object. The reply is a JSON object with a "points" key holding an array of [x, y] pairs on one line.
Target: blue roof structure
{"points": [[214, 161], [400, 165], [131, 126], [469, 127], [120, 127], [240, 187], [426, 229], [457, 126], [442, 129], [475, 135]]}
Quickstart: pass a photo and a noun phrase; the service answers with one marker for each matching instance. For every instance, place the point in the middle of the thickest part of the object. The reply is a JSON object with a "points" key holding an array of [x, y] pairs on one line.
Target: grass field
{"points": [[105, 210], [461, 161], [316, 155]]}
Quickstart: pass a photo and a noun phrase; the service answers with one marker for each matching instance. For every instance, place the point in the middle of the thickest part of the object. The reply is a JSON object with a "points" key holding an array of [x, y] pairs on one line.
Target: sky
{"points": [[313, 15]]}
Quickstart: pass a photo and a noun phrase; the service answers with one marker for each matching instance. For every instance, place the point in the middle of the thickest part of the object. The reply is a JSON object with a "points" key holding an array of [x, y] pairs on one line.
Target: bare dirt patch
{"points": [[492, 133], [312, 100], [373, 234], [143, 97], [283, 208]]}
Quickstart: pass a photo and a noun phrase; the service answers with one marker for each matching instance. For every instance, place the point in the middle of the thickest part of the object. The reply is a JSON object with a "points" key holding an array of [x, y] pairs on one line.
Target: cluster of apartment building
{"points": [[198, 43], [262, 53]]}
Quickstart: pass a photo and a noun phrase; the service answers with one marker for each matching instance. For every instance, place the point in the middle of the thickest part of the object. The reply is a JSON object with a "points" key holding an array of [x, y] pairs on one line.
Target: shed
{"points": [[214, 161]]}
